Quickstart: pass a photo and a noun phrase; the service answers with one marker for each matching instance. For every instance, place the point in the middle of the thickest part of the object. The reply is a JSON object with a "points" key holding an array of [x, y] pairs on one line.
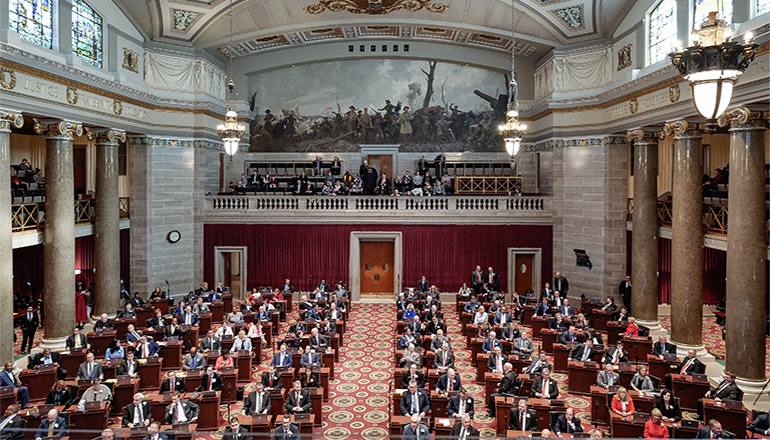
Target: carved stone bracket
{"points": [[10, 118], [109, 135], [681, 127], [640, 135], [742, 117], [56, 127]]}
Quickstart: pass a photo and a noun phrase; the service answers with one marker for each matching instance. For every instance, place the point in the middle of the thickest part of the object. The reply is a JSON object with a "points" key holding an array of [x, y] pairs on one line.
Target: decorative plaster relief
{"points": [[571, 16], [182, 20]]}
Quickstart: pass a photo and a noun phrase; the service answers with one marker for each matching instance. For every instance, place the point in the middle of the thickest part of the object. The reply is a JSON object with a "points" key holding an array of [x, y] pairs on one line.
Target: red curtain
{"points": [[664, 271], [714, 273], [125, 256], [84, 260], [446, 255]]}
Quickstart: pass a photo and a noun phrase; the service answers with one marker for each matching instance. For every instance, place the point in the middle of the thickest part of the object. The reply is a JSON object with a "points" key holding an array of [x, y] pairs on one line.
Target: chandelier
{"points": [[231, 132], [512, 131], [713, 64]]}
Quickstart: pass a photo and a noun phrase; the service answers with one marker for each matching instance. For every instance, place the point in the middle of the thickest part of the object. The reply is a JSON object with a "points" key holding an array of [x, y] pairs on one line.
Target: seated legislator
{"points": [[449, 382], [569, 336], [211, 381], [90, 369], [224, 360], [713, 431], [157, 321], [414, 401], [51, 426], [491, 342], [60, 395], [460, 405], [669, 409], [689, 366], [607, 377], [543, 307], [257, 402], [522, 418], [189, 318], [282, 358], [655, 428], [310, 358], [496, 361], [319, 342], [8, 379], [129, 366], [558, 322], [567, 423], [47, 357], [128, 312], [582, 352], [411, 356], [444, 358], [146, 347], [172, 383], [616, 354], [286, 430], [632, 330], [173, 330], [181, 411], [272, 378], [153, 432], [523, 346], [544, 387], [565, 309], [133, 336], [726, 390], [415, 430], [408, 338], [502, 317], [413, 374], [663, 347], [77, 340], [464, 430], [642, 381], [210, 342], [309, 379], [11, 425], [511, 332], [193, 360], [138, 413], [298, 400], [114, 350], [235, 431], [438, 341], [508, 386], [622, 403], [538, 364], [96, 393], [761, 424], [104, 323], [157, 294], [241, 342]]}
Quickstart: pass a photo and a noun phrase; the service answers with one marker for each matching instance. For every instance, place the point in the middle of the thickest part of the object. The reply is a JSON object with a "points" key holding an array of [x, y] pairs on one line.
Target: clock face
{"points": [[174, 236]]}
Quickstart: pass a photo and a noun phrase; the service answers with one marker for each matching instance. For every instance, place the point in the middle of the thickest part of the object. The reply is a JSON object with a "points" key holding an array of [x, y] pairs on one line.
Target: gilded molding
{"points": [[742, 116], [104, 136], [10, 118], [639, 134], [680, 127], [55, 127]]}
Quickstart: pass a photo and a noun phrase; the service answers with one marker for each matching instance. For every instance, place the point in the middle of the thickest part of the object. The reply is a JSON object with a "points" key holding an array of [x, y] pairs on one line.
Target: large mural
{"points": [[337, 105]]}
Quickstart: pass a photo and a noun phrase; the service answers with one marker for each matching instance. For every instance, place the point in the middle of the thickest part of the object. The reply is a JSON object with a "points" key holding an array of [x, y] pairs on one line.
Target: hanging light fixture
{"points": [[231, 132], [512, 131], [714, 63]]}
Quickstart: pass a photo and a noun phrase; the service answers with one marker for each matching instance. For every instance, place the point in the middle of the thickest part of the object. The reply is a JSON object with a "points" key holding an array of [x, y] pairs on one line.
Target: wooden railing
{"points": [[487, 185]]}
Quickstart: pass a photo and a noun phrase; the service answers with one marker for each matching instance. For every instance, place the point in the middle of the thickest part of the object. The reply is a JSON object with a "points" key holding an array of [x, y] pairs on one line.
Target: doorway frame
{"points": [[537, 261], [219, 257], [354, 262]]}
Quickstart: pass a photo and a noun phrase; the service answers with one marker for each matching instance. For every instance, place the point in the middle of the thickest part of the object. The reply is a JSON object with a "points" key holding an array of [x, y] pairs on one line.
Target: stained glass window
{"points": [[703, 7], [663, 31], [763, 7], [32, 20], [86, 33]]}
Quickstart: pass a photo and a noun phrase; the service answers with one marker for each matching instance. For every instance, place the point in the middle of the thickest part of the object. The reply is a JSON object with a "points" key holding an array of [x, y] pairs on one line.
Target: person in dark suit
{"points": [[492, 279], [172, 384], [104, 323], [193, 360], [146, 347], [460, 405], [567, 423], [286, 430], [298, 400], [415, 429], [76, 340], [60, 395], [663, 347], [537, 365], [490, 342], [211, 381], [583, 352], [669, 408], [689, 365], [127, 312], [543, 307], [569, 336], [464, 430], [181, 411], [11, 424], [565, 309], [138, 413], [413, 373], [133, 336], [561, 285], [423, 285], [52, 426], [153, 432], [47, 357], [544, 387], [449, 381], [272, 379], [444, 359], [283, 358], [189, 318], [90, 369], [511, 332], [173, 330], [129, 366], [235, 431], [713, 431], [616, 354], [414, 401], [257, 402], [610, 306], [624, 289], [508, 386], [523, 419], [760, 424], [726, 390], [210, 342], [28, 322]]}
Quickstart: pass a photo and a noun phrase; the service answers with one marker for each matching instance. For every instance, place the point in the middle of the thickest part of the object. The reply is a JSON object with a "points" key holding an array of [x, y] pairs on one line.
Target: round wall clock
{"points": [[174, 236]]}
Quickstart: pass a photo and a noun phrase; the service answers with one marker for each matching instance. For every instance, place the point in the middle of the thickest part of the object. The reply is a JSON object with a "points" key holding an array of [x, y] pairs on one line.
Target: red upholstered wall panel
{"points": [[445, 254]]}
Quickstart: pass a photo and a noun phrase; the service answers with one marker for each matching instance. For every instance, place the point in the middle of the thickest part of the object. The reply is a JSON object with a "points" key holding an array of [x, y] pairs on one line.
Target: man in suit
{"points": [[546, 292], [444, 359], [146, 347], [287, 287], [537, 365], [11, 424], [235, 431], [189, 318], [490, 343], [418, 330], [173, 330], [610, 306], [181, 411], [523, 346], [28, 322], [104, 323], [523, 419], [76, 340], [569, 336], [713, 431], [257, 402], [449, 381], [138, 413], [508, 386], [477, 279], [492, 280], [544, 387], [153, 432], [282, 358], [663, 347], [319, 342], [413, 374], [726, 390], [543, 307], [411, 356], [415, 429], [310, 358], [129, 366], [48, 357], [497, 361], [565, 309], [561, 285], [607, 377], [502, 317], [460, 405], [90, 369], [52, 426], [286, 430], [624, 289], [414, 401], [689, 366], [193, 360], [133, 336], [567, 423], [211, 381], [298, 400], [472, 306], [127, 312], [616, 354], [271, 378], [210, 342], [464, 430], [436, 324], [438, 341], [760, 424], [511, 332], [583, 352], [172, 384]]}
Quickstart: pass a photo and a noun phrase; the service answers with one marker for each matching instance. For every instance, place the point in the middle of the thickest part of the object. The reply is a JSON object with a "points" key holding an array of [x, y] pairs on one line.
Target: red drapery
{"points": [[445, 254]]}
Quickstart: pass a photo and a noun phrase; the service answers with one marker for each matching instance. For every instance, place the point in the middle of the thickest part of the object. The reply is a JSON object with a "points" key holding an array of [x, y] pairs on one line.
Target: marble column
{"points": [[7, 120], [746, 249], [687, 238], [644, 270], [59, 236], [107, 224]]}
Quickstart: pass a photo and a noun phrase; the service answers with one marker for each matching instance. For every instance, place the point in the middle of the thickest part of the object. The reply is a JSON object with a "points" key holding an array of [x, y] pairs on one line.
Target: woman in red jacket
{"points": [[632, 331], [655, 428], [622, 403]]}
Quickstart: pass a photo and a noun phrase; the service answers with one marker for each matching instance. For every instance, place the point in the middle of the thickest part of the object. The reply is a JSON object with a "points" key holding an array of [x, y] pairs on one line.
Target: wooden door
{"points": [[228, 267], [386, 166], [523, 268], [79, 168], [377, 267]]}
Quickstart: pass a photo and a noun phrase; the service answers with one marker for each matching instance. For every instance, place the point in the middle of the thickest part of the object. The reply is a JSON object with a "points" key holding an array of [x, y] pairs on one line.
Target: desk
{"points": [[560, 355], [190, 338], [227, 301], [32, 419], [9, 399], [143, 314], [442, 427], [258, 424], [305, 422], [549, 338], [626, 376], [100, 342], [688, 391], [204, 323], [180, 435], [438, 404], [277, 401], [526, 319], [614, 329], [229, 386], [150, 374], [599, 319], [482, 361], [731, 420], [160, 304], [123, 394], [217, 311], [397, 422], [470, 331], [121, 325], [243, 362], [581, 377], [316, 395], [171, 354], [638, 348], [83, 424], [38, 382], [503, 406], [327, 358], [209, 415], [539, 323], [658, 367], [543, 408], [192, 379], [599, 411], [158, 403], [287, 378], [275, 319], [71, 362], [622, 428]]}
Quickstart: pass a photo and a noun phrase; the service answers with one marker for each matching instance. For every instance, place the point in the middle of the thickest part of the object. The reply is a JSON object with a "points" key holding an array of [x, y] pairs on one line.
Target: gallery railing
{"points": [[31, 216], [487, 185]]}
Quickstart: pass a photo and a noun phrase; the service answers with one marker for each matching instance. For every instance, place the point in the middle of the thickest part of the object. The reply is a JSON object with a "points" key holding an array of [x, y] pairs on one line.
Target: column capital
{"points": [[108, 135], [640, 134], [742, 117], [681, 127], [10, 118], [58, 127]]}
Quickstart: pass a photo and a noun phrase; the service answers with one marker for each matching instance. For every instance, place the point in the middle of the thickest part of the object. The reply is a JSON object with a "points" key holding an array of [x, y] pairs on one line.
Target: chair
{"points": [[280, 171], [18, 196], [507, 172], [498, 171], [27, 196], [655, 382], [487, 170], [460, 171], [478, 171], [554, 417]]}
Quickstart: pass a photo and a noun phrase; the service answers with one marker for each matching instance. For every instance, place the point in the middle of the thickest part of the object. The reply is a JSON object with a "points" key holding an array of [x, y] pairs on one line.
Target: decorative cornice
{"points": [[104, 136], [742, 117], [150, 141], [641, 135], [57, 128], [681, 127], [576, 142]]}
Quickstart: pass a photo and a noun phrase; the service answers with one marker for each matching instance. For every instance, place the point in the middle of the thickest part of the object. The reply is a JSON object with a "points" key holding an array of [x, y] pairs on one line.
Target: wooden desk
{"points": [[526, 319], [100, 342], [503, 406], [38, 382], [433, 376], [83, 424], [171, 354], [442, 426], [731, 420], [510, 433], [277, 400], [275, 320], [287, 378], [599, 411], [622, 428], [327, 358], [482, 361], [305, 422], [180, 435], [549, 338], [190, 338], [32, 419], [470, 331], [438, 404], [9, 399], [192, 379], [204, 323], [161, 304], [123, 394], [658, 367], [688, 391], [560, 354], [121, 326], [614, 329], [229, 386], [638, 348], [143, 314], [538, 324], [150, 374], [587, 307], [258, 423], [581, 377], [158, 403], [209, 415], [600, 318], [626, 376], [217, 311], [491, 380], [543, 408], [71, 362], [243, 362], [227, 301], [316, 396]]}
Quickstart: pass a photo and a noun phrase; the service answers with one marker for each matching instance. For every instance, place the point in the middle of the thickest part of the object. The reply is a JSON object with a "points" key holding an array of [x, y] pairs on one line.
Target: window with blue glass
{"points": [[87, 33], [32, 20], [763, 7], [662, 30]]}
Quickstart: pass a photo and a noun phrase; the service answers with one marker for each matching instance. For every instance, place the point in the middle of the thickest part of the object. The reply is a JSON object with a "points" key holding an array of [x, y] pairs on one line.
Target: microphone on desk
{"points": [[596, 422]]}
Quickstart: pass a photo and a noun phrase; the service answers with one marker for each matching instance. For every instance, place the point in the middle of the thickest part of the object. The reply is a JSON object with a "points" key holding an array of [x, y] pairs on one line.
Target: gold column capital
{"points": [[640, 134], [109, 135], [10, 118], [681, 127], [58, 127], [742, 116]]}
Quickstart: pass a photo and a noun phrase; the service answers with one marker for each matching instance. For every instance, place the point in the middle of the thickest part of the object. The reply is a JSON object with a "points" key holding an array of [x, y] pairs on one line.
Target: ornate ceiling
{"points": [[261, 25]]}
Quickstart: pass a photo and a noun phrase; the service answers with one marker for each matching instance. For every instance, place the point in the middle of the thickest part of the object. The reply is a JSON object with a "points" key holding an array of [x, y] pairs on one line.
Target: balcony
{"points": [[374, 209], [30, 217]]}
